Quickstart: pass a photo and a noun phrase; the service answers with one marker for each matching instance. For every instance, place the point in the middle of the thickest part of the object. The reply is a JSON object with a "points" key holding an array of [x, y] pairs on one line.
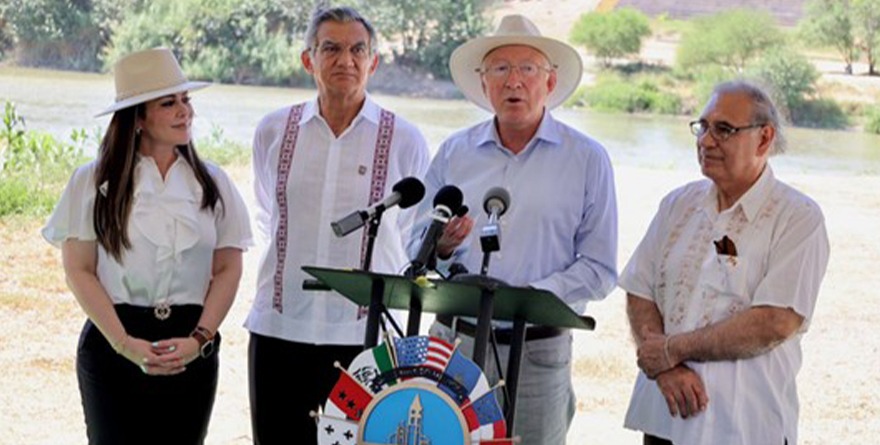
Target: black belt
{"points": [[502, 335]]}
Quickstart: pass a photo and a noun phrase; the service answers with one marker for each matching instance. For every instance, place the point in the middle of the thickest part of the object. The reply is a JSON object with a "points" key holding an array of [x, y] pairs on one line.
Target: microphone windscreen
{"points": [[411, 191], [449, 196], [497, 197]]}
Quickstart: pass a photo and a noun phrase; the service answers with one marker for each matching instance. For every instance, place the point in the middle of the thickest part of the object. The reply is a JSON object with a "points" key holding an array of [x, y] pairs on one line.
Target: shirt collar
{"points": [[548, 131], [754, 198], [369, 111], [751, 201]]}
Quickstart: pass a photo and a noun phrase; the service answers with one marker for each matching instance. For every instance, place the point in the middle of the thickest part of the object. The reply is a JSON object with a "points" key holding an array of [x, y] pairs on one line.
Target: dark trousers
{"points": [[653, 440], [122, 405], [287, 380]]}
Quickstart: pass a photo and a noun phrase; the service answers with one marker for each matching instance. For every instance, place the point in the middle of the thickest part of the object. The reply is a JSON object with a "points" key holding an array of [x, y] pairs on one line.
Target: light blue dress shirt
{"points": [[560, 230]]}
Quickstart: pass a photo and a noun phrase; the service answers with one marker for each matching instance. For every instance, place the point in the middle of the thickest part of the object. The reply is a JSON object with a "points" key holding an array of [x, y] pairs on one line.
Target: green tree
{"points": [[791, 77], [423, 33], [731, 39], [53, 33], [830, 23], [611, 35], [866, 14], [6, 38], [238, 41]]}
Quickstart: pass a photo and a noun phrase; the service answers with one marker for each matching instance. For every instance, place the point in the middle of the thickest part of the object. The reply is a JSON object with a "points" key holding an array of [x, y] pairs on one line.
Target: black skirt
{"points": [[122, 405]]}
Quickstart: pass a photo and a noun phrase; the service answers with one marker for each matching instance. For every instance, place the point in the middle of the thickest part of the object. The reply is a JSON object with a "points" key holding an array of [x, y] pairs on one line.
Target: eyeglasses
{"points": [[720, 131], [502, 70]]}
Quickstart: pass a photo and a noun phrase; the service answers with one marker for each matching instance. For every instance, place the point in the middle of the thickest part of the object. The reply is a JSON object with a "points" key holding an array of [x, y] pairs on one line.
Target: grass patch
{"points": [[872, 125], [222, 151]]}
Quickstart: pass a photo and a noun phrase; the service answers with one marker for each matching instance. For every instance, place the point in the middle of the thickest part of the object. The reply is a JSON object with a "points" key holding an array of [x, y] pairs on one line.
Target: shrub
{"points": [[731, 39], [705, 80], [791, 78], [57, 34], [613, 93], [424, 33], [611, 35], [236, 41], [819, 113], [34, 166], [222, 151], [873, 123]]}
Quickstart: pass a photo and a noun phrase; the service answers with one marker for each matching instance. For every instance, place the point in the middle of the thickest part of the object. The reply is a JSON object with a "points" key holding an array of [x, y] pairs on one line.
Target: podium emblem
{"points": [[412, 391]]}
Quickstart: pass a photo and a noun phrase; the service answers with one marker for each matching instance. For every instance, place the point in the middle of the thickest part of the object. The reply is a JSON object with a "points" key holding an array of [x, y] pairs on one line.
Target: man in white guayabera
{"points": [[722, 287]]}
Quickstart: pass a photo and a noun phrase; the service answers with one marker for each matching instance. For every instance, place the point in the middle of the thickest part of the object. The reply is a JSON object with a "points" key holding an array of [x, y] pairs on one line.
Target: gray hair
{"points": [[764, 109], [340, 14]]}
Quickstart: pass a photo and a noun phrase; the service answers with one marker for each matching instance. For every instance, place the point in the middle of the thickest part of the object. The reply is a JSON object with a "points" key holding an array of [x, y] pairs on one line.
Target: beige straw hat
{"points": [[515, 30], [146, 75]]}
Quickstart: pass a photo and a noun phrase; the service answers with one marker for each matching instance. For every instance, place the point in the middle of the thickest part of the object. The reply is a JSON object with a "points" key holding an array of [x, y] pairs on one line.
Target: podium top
{"points": [[535, 306]]}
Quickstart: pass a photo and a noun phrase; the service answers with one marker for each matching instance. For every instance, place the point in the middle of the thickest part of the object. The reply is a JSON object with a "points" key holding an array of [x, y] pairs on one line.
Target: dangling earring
{"points": [[137, 131]]}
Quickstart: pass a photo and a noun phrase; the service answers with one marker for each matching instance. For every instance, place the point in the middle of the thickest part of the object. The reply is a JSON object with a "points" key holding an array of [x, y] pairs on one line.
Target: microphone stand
{"points": [[376, 308], [372, 232], [489, 242], [414, 271]]}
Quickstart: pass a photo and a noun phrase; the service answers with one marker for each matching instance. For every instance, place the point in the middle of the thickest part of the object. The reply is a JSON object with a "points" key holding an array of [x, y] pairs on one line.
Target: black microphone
{"points": [[447, 202], [495, 203], [406, 193]]}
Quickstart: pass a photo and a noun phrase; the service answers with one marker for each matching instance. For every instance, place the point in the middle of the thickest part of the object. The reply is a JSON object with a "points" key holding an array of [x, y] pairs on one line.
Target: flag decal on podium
{"points": [[416, 389]]}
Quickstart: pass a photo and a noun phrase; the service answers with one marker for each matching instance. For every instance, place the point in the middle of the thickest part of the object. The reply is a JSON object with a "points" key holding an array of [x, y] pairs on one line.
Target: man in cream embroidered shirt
{"points": [[722, 288]]}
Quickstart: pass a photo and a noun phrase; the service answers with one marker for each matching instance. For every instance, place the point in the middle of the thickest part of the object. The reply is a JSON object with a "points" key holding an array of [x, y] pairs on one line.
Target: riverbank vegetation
{"points": [[35, 166], [256, 42], [232, 41], [729, 45]]}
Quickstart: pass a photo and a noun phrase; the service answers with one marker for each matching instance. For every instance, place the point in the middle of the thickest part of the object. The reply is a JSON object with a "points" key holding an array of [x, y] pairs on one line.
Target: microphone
{"points": [[495, 203], [447, 202], [406, 193]]}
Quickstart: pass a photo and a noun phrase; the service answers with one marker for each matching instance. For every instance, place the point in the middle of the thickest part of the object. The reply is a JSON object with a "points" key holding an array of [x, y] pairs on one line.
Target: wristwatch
{"points": [[206, 340]]}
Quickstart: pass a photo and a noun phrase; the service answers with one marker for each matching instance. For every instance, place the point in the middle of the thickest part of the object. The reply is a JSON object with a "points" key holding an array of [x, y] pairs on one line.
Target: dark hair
{"points": [[341, 14], [116, 162], [764, 109]]}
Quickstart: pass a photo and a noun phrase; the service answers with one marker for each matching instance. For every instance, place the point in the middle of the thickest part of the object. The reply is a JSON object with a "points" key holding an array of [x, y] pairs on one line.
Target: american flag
{"points": [[424, 351]]}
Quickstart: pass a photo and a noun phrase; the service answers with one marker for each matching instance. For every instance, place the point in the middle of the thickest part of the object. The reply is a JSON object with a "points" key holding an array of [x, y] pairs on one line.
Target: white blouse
{"points": [[172, 239]]}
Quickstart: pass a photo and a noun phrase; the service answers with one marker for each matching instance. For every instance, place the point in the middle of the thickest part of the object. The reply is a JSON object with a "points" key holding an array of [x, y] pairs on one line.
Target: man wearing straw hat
{"points": [[560, 231], [316, 162]]}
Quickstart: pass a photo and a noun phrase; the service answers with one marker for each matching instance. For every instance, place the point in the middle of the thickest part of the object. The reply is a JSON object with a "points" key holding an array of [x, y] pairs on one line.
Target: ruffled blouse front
{"points": [[173, 239]]}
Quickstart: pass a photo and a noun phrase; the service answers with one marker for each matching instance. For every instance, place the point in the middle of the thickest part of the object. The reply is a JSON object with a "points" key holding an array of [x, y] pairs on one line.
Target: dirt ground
{"points": [[839, 390], [840, 397]]}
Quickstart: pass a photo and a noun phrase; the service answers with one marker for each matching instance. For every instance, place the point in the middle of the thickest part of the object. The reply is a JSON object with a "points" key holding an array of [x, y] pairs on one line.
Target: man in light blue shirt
{"points": [[560, 231]]}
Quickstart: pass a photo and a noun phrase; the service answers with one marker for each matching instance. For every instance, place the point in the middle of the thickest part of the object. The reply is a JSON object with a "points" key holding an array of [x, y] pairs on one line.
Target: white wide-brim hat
{"points": [[515, 30], [146, 75]]}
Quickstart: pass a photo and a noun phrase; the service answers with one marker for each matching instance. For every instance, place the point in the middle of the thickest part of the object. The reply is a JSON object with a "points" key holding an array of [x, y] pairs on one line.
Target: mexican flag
{"points": [[374, 368]]}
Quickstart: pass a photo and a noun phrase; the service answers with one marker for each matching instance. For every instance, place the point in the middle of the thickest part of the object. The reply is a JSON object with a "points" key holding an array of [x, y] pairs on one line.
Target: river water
{"points": [[58, 102]]}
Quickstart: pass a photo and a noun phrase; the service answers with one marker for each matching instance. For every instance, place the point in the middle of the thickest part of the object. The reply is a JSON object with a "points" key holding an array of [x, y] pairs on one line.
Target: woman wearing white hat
{"points": [[151, 240]]}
